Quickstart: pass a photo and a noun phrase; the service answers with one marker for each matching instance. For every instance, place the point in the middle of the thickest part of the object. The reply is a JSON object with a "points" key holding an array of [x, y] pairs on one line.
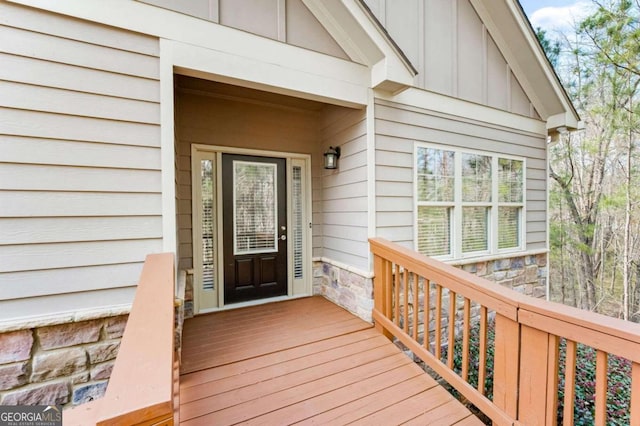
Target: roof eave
{"points": [[519, 44], [364, 39]]}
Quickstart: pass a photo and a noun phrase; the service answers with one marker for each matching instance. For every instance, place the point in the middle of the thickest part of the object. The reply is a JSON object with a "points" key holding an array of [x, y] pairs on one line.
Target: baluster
{"points": [[452, 327], [601, 388], [465, 339], [482, 350], [381, 287], [438, 325], [416, 308], [405, 287], [427, 311], [569, 383], [388, 294], [553, 362], [396, 291]]}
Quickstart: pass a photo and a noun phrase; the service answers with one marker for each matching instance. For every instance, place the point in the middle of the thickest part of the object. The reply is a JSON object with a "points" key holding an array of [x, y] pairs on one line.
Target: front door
{"points": [[254, 202]]}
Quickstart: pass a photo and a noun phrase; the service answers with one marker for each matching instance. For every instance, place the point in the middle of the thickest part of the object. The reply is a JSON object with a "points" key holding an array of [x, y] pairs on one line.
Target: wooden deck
{"points": [[304, 361]]}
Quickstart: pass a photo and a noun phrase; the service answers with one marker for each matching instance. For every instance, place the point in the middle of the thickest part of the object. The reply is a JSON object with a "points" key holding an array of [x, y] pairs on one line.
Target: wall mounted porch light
{"points": [[331, 158]]}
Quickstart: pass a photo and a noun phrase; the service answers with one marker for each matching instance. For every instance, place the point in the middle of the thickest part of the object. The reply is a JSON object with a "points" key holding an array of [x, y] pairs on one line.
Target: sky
{"points": [[555, 15]]}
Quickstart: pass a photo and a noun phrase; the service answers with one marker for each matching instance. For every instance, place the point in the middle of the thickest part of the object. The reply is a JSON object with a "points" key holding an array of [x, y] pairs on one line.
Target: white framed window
{"points": [[468, 203]]}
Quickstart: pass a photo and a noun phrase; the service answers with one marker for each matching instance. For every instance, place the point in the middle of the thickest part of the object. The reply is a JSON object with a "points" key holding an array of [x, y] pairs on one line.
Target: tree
{"points": [[614, 31], [593, 170]]}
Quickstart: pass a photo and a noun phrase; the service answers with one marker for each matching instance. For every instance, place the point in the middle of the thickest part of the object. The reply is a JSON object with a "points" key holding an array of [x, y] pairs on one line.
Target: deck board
{"points": [[305, 361]]}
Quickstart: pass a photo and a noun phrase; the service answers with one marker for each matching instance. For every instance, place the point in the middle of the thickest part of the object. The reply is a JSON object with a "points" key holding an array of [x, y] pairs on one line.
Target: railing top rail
{"points": [[141, 384], [597, 330], [489, 294], [140, 389], [597, 322]]}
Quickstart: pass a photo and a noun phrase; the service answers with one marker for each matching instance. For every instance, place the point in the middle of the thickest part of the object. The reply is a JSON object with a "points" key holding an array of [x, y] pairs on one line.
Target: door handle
{"points": [[283, 237]]}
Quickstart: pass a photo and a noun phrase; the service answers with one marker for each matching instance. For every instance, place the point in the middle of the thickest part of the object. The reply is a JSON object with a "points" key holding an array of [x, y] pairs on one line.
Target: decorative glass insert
{"points": [[474, 229], [436, 174], [434, 230], [510, 180], [255, 207], [476, 178], [208, 216], [298, 226], [509, 227]]}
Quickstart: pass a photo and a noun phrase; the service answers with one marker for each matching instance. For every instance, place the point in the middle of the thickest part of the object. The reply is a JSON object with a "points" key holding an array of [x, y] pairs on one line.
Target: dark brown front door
{"points": [[254, 219]]}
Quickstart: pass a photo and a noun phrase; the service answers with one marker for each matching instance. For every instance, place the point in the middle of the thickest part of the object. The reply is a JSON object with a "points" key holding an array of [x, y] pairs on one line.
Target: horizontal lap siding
{"points": [[341, 204], [80, 179], [398, 127]]}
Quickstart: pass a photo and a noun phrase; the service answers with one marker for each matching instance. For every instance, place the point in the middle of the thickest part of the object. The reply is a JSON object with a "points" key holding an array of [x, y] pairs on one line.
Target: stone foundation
{"points": [[188, 294], [354, 291], [524, 274], [349, 289], [66, 364]]}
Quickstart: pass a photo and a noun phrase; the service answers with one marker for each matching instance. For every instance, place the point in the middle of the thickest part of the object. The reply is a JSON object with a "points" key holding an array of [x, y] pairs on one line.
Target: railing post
{"points": [[537, 402], [506, 365], [381, 286]]}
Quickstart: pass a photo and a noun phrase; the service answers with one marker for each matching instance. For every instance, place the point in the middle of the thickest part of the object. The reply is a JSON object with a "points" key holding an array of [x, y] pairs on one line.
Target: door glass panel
{"points": [[296, 192], [255, 207], [208, 220]]}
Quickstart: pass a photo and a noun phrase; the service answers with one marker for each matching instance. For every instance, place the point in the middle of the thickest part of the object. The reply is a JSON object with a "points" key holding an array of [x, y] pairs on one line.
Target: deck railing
{"points": [[432, 307], [142, 385]]}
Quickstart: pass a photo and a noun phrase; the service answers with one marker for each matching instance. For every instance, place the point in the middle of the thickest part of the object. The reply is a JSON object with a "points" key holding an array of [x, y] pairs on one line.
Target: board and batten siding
{"points": [[288, 21], [453, 51], [341, 205], [80, 180], [399, 127]]}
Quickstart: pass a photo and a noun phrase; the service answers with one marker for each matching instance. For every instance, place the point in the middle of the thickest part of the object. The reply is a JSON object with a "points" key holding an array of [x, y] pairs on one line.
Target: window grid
{"points": [[503, 178]]}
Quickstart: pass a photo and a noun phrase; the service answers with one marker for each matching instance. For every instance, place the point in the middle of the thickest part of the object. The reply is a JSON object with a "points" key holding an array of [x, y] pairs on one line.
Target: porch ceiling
{"points": [[229, 91]]}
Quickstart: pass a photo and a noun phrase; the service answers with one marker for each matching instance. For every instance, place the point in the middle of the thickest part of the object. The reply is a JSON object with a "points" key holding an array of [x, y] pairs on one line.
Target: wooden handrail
{"points": [[141, 386], [526, 344]]}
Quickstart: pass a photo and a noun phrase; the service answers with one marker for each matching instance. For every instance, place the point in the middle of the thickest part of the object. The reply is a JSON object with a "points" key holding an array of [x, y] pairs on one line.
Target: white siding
{"points": [[454, 53], [340, 206], [80, 203], [398, 127]]}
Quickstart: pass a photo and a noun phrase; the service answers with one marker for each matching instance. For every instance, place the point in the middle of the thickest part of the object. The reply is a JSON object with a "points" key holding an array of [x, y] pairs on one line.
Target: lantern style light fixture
{"points": [[331, 158]]}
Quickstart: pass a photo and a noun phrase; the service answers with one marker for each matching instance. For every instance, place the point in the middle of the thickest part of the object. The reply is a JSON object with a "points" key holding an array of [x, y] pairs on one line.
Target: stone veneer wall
{"points": [[66, 364], [354, 292], [524, 274], [348, 289]]}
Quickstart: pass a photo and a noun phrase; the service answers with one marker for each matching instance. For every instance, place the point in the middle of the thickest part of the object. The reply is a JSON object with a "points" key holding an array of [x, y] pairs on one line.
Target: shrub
{"points": [[619, 379]]}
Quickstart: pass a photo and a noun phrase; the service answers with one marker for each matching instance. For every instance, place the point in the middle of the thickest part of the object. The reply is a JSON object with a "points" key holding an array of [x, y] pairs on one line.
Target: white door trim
{"points": [[295, 288]]}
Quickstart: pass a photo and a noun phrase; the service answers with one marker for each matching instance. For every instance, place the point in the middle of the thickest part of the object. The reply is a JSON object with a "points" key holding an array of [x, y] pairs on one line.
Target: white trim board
{"points": [[442, 104], [208, 50]]}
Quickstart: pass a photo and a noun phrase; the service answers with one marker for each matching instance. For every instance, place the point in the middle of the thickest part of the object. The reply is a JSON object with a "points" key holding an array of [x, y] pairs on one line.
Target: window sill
{"points": [[492, 257]]}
